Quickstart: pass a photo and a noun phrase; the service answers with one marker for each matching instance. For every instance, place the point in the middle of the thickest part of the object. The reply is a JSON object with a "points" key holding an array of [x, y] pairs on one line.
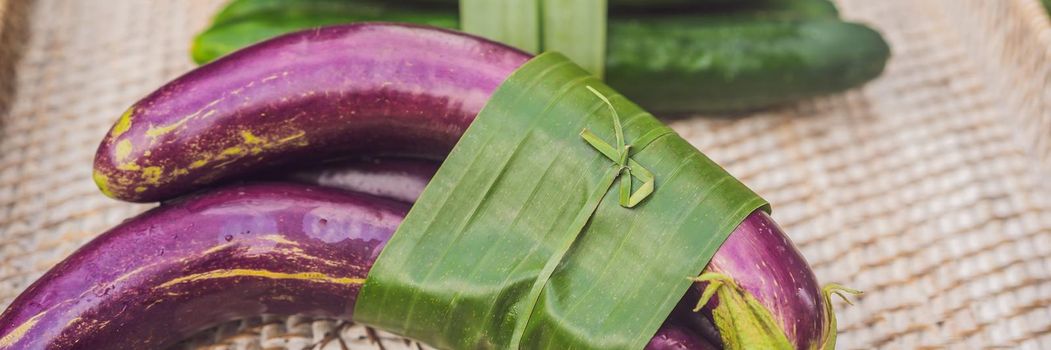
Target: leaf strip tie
{"points": [[544, 276], [623, 169], [620, 156]]}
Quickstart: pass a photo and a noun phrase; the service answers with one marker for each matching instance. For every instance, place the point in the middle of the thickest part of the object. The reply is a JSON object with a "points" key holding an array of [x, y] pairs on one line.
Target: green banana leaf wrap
{"points": [[520, 240]]}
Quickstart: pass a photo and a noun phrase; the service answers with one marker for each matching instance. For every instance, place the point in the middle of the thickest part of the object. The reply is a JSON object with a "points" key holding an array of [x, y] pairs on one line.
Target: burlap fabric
{"points": [[925, 188]]}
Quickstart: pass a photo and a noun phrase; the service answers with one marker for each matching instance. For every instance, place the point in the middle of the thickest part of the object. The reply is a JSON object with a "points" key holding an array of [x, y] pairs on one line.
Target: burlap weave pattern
{"points": [[925, 188]]}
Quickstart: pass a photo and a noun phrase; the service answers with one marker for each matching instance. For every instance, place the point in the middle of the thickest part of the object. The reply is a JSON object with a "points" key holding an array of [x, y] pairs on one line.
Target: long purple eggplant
{"points": [[234, 252], [355, 89], [373, 89]]}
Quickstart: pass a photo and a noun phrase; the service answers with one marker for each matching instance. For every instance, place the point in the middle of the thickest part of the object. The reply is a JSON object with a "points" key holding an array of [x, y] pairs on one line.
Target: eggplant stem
{"points": [[829, 343]]}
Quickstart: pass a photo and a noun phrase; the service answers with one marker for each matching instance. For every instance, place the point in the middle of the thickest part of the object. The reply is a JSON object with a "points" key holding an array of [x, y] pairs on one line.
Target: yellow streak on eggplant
{"points": [[148, 176], [127, 275], [16, 334], [102, 182], [152, 175], [123, 124], [155, 131], [232, 151], [130, 166], [71, 322], [276, 238], [250, 138], [198, 163], [123, 150], [292, 137], [94, 323], [279, 239], [230, 273], [298, 253], [216, 248], [251, 145], [154, 303]]}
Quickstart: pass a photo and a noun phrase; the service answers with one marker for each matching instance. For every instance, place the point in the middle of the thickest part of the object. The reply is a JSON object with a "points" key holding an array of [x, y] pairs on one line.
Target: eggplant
{"points": [[195, 262], [335, 91], [376, 89]]}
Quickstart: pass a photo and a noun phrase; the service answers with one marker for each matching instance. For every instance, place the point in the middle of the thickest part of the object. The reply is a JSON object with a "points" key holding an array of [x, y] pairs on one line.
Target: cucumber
{"points": [[766, 53], [739, 66], [245, 22], [238, 9]]}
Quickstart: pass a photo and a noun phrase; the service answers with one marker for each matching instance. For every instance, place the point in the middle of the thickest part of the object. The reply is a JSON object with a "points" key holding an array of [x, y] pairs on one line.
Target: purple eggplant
{"points": [[375, 89], [179, 268], [335, 91], [198, 261]]}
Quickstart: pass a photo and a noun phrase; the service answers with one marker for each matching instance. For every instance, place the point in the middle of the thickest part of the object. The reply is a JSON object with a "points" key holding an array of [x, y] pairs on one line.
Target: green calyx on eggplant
{"points": [[377, 89]]}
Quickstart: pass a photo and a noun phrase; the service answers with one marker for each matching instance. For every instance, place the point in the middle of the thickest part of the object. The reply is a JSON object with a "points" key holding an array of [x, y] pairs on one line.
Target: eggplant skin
{"points": [[369, 88], [189, 264], [678, 337], [196, 262]]}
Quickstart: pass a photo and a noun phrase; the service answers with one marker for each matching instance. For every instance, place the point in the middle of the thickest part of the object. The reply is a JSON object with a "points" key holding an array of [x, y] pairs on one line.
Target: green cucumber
{"points": [[245, 22], [739, 66], [772, 52]]}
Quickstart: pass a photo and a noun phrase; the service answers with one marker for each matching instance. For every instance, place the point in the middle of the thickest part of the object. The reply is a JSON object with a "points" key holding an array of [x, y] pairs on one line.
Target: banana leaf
{"points": [[540, 231]]}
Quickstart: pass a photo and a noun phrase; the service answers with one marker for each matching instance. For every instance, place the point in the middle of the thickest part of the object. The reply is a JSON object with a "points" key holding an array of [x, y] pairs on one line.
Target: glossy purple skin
{"points": [[758, 254], [111, 293], [352, 89], [674, 336]]}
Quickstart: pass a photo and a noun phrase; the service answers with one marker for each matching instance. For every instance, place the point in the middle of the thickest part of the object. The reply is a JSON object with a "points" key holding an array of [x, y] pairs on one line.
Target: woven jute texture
{"points": [[924, 188]]}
